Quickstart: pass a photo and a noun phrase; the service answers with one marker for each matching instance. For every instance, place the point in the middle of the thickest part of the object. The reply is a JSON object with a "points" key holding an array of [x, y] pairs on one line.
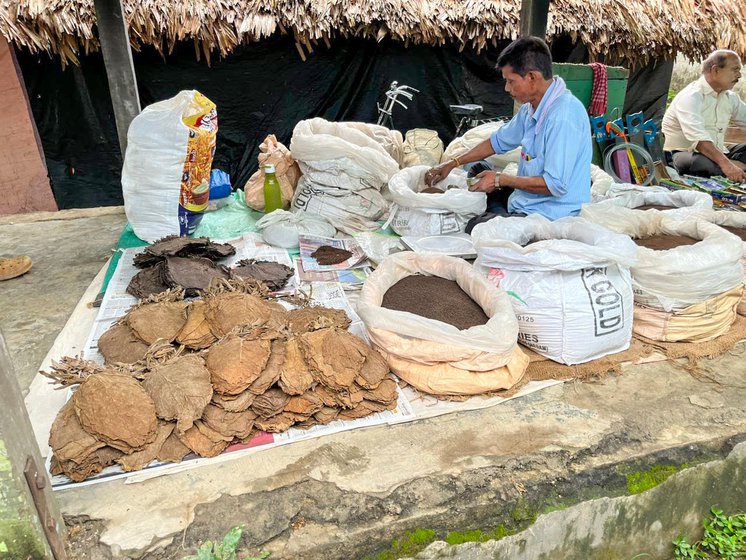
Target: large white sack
{"points": [[675, 279], [571, 289], [474, 136], [348, 211], [420, 214], [422, 147], [390, 140], [619, 211], [167, 165], [491, 343], [730, 219], [340, 155]]}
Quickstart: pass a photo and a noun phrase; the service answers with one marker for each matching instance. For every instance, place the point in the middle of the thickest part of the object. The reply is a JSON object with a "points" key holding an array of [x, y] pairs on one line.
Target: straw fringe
{"points": [[623, 31]]}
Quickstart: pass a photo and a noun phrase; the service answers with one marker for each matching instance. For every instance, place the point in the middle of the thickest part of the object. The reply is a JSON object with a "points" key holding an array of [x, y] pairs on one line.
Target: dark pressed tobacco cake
{"points": [[662, 242], [435, 298], [740, 232], [326, 255]]}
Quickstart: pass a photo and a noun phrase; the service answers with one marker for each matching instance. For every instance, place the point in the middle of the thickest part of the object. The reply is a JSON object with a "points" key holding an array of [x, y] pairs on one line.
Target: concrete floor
{"points": [[68, 249], [349, 495]]}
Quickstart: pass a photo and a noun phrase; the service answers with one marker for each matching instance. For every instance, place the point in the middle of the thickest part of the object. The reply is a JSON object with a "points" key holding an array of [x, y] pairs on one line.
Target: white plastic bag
{"points": [[618, 212], [420, 214], [281, 228], [571, 290], [166, 172]]}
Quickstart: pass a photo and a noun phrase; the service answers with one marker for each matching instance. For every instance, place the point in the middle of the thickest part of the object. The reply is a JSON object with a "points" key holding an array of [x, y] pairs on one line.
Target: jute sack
{"points": [[697, 323], [730, 219], [422, 147], [616, 213], [436, 357]]}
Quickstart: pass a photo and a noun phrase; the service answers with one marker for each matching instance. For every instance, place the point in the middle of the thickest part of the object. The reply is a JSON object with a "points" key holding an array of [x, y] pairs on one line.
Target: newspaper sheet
{"points": [[309, 243]]}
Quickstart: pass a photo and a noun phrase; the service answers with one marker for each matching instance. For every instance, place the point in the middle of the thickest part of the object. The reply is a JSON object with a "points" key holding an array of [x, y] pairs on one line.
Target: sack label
{"points": [[606, 301]]}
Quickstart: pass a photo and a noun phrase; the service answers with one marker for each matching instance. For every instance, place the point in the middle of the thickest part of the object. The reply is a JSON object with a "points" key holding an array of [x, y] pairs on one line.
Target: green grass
{"points": [[409, 545]]}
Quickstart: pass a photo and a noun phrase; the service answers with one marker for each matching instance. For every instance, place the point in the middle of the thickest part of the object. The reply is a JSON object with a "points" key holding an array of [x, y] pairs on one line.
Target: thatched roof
{"points": [[622, 30]]}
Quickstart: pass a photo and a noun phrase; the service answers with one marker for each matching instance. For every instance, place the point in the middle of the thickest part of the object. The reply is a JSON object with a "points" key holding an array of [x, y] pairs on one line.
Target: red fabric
{"points": [[600, 90]]}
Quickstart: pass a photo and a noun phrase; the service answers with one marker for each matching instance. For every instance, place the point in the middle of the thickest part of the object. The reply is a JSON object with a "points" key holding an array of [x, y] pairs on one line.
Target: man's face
{"points": [[727, 77], [520, 88]]}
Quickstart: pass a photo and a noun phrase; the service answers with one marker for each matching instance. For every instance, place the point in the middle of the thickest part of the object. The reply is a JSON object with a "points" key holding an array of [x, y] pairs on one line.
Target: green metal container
{"points": [[579, 80]]}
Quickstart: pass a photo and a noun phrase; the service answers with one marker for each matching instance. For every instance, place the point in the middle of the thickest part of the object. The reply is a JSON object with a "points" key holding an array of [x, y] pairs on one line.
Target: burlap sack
{"points": [[698, 323], [287, 171], [436, 357], [422, 147]]}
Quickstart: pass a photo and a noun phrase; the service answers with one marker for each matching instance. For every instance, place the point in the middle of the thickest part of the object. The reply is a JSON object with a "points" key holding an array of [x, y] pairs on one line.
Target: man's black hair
{"points": [[525, 55]]}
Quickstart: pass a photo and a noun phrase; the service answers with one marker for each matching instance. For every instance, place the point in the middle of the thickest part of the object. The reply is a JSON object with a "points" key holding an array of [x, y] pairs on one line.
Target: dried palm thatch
{"points": [[624, 31]]}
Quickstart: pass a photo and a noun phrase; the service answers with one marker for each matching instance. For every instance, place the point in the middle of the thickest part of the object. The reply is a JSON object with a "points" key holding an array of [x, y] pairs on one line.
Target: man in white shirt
{"points": [[694, 125]]}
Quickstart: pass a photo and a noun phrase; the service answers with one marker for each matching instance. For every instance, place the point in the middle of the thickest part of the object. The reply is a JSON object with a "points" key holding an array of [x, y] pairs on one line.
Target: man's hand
{"points": [[439, 172], [734, 173], [485, 183]]}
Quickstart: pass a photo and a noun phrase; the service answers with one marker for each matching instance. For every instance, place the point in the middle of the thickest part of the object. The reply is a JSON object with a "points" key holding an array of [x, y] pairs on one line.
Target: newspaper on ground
{"points": [[308, 244], [351, 279]]}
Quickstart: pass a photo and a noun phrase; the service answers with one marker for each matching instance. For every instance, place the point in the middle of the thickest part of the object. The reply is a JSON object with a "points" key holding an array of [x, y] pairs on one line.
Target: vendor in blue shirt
{"points": [[553, 130]]}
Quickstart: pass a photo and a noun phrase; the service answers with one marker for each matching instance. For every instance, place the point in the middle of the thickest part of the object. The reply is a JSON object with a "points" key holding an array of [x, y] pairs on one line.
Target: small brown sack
{"points": [[286, 170]]}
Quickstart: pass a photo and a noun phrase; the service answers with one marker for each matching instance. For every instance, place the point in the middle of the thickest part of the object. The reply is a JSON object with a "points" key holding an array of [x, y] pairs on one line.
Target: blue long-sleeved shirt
{"points": [[560, 153]]}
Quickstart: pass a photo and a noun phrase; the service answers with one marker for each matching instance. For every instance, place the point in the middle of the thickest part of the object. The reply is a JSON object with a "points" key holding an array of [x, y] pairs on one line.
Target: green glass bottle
{"points": [[272, 191]]}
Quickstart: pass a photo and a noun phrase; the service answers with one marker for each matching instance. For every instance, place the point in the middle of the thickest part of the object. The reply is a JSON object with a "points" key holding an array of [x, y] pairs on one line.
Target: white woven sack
{"points": [[571, 289], [420, 214], [618, 212], [422, 147], [476, 135]]}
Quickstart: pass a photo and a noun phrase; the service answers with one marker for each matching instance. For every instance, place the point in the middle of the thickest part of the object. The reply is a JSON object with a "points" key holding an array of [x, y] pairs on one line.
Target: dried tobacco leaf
{"points": [[275, 275], [67, 438], [227, 311], [92, 464], [306, 404], [270, 403], [157, 321], [272, 370], [309, 319], [204, 441], [149, 281], [275, 424], [326, 414], [213, 251], [235, 363], [374, 370], [349, 398], [328, 396], [180, 389], [116, 409], [335, 357], [173, 450], [193, 274], [230, 424], [384, 393], [141, 459], [234, 403], [295, 378], [196, 333], [120, 345], [365, 408]]}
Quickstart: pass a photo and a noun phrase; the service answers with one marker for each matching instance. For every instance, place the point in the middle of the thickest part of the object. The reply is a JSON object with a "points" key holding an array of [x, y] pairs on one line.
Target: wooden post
{"points": [[534, 14], [120, 71], [30, 523]]}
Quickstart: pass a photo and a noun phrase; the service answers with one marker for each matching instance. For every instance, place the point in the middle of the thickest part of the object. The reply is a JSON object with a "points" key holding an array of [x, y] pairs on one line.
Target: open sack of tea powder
{"points": [[419, 210], [569, 281], [616, 212], [430, 354]]}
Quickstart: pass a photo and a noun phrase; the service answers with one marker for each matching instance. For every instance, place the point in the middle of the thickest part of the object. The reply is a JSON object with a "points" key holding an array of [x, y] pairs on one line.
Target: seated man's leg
{"points": [[737, 154], [693, 163]]}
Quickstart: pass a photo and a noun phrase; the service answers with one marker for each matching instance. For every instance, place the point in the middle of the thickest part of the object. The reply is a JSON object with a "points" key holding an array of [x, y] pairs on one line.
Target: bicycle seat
{"points": [[470, 109]]}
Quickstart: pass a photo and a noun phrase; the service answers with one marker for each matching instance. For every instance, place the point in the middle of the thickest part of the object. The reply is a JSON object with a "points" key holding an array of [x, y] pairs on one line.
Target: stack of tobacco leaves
{"points": [[179, 262], [195, 377]]}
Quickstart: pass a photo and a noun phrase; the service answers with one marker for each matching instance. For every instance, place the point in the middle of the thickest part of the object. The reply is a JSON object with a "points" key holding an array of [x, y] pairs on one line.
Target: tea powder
{"points": [[435, 298], [663, 242]]}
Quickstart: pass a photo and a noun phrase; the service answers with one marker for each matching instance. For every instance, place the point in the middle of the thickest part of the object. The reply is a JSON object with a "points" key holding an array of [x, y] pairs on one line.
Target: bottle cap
{"points": [[269, 167]]}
